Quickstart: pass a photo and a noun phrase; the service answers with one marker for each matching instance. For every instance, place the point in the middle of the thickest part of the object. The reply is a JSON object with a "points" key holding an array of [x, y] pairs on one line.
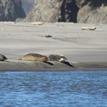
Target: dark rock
{"points": [[10, 10], [69, 11], [48, 36]]}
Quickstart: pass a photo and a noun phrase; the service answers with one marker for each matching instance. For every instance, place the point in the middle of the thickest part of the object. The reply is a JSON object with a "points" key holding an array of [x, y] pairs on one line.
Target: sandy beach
{"points": [[83, 48]]}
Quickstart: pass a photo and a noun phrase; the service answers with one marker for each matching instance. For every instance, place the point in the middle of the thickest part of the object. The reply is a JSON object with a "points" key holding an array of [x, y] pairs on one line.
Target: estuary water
{"points": [[53, 89]]}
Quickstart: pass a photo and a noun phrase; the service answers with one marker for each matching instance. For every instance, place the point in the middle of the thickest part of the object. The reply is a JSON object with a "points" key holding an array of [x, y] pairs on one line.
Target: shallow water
{"points": [[53, 89]]}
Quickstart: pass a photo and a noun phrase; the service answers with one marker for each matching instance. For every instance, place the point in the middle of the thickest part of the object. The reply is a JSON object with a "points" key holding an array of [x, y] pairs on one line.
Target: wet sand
{"points": [[83, 48]]}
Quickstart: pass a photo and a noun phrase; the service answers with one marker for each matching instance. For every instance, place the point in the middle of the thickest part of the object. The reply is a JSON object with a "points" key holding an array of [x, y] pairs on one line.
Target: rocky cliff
{"points": [[45, 10], [85, 11], [10, 10], [92, 11], [53, 10]]}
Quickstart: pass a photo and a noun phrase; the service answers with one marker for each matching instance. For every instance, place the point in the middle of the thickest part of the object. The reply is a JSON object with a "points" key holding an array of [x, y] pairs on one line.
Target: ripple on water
{"points": [[53, 89]]}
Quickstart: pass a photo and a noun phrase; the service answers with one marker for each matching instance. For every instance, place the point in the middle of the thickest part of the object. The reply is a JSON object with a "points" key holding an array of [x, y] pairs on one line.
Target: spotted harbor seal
{"points": [[2, 57], [60, 58], [34, 57]]}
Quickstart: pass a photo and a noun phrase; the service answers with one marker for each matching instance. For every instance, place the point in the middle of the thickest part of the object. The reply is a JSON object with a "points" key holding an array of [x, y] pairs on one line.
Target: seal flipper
{"points": [[67, 63]]}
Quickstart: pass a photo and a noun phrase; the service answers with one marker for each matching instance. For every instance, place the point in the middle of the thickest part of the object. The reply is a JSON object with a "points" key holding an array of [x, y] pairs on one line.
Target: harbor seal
{"points": [[34, 57], [2, 57], [89, 28], [61, 59]]}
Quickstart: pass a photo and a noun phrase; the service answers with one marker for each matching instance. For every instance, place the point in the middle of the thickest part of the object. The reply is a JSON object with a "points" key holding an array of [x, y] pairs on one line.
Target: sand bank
{"points": [[84, 48]]}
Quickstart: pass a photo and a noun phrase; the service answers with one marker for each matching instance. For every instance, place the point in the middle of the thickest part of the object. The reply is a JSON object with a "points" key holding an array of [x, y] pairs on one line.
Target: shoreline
{"points": [[40, 66]]}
